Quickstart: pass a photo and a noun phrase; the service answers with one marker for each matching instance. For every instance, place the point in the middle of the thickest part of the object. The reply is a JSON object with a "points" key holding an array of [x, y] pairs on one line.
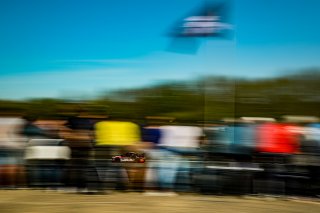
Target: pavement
{"points": [[48, 201]]}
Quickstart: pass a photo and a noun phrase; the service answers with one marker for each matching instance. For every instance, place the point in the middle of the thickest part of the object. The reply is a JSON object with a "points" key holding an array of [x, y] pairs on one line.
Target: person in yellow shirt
{"points": [[115, 137]]}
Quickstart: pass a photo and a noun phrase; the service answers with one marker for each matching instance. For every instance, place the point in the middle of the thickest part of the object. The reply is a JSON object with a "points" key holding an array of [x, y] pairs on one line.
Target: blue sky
{"points": [[59, 48]]}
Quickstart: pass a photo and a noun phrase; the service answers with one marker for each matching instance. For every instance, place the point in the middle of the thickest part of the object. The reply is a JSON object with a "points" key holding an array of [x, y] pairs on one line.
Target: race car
{"points": [[129, 157]]}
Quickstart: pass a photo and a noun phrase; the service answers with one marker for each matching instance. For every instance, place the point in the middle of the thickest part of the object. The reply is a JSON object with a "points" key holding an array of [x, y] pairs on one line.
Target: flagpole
{"points": [[204, 94]]}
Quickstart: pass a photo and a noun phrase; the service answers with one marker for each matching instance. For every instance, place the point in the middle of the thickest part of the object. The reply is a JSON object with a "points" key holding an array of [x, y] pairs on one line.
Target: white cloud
{"points": [[102, 61]]}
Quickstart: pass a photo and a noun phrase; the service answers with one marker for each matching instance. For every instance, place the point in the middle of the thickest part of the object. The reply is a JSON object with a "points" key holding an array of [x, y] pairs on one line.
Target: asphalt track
{"points": [[34, 201]]}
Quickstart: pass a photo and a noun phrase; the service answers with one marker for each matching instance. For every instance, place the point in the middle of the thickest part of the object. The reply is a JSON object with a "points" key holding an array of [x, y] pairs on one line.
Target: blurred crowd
{"points": [[233, 156]]}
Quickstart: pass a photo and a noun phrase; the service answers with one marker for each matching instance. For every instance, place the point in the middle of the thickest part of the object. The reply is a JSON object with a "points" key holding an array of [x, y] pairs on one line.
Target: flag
{"points": [[210, 20]]}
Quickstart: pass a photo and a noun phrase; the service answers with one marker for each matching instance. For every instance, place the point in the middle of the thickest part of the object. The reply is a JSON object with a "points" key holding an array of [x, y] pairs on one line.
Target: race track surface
{"points": [[34, 201]]}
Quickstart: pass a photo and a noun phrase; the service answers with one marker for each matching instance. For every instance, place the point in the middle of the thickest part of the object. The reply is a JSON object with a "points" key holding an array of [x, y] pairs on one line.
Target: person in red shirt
{"points": [[277, 138]]}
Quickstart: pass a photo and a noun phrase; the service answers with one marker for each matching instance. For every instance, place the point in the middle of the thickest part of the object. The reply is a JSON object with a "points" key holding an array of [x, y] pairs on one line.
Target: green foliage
{"points": [[209, 98]]}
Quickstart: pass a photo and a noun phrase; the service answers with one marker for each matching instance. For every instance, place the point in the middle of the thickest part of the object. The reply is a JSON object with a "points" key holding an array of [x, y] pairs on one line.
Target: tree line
{"points": [[210, 98]]}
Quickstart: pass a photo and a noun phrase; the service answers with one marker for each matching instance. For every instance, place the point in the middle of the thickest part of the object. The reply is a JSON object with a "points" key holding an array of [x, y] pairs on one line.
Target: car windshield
{"points": [[128, 154]]}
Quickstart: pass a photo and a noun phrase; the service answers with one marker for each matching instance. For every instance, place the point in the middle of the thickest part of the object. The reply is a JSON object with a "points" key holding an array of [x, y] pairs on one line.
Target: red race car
{"points": [[129, 157]]}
